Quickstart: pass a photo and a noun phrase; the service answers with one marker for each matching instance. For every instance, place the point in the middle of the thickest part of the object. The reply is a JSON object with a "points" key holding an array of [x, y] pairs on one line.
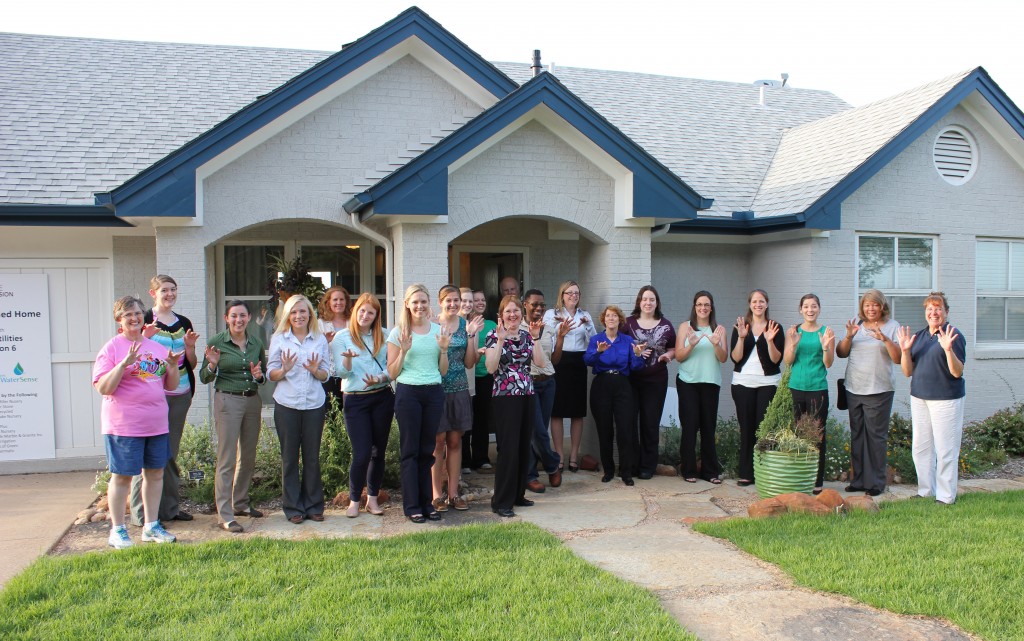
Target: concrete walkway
{"points": [[638, 533]]}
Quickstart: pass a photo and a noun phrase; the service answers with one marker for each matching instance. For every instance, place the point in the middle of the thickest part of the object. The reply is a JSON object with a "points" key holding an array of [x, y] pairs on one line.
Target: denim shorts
{"points": [[129, 455]]}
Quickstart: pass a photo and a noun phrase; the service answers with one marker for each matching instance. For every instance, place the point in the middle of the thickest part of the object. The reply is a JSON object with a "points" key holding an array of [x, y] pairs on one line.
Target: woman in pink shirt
{"points": [[132, 375]]}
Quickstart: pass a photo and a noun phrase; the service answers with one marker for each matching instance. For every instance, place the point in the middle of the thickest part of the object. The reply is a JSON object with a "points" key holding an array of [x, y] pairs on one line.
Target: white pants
{"points": [[938, 429]]}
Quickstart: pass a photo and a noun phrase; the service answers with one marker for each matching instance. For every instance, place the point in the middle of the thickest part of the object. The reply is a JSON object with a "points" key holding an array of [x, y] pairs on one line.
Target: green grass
{"points": [[476, 582], [963, 563]]}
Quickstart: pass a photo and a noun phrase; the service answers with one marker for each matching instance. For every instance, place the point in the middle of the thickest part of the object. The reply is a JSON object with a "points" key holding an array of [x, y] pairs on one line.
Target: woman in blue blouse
{"points": [[360, 357], [298, 364], [613, 355], [701, 350], [417, 359]]}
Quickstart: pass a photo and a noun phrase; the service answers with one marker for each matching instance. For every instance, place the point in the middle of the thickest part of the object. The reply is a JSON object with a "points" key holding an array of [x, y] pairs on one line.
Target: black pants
{"points": [[869, 437], [814, 403], [698, 413], [478, 451], [512, 417], [611, 405], [302, 492], [368, 423], [751, 405], [332, 387], [649, 398], [418, 409]]}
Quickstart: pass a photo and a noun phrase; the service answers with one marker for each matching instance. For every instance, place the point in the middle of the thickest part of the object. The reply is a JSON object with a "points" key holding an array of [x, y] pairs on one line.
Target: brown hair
{"points": [[324, 308], [505, 302], [693, 310], [937, 298], [874, 296], [160, 279], [750, 315], [639, 295], [356, 332], [123, 304], [618, 312]]}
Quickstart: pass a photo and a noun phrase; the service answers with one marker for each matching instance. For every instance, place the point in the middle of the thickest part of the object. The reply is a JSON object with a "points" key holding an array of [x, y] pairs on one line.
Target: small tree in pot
{"points": [[786, 455]]}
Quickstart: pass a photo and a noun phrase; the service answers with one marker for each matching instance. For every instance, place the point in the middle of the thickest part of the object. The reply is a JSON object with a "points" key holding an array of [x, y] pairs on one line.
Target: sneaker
{"points": [[157, 534], [466, 470], [119, 538]]}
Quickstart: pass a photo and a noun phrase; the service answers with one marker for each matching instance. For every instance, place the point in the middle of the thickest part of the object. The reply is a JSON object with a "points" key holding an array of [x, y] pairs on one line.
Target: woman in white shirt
{"points": [[298, 363], [571, 371]]}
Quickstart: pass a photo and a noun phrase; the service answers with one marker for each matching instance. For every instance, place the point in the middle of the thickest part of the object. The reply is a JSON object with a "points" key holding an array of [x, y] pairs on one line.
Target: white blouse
{"points": [[576, 340]]}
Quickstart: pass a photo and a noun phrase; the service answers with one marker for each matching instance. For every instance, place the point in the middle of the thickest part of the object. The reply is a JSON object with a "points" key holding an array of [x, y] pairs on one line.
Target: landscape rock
{"points": [[589, 463], [766, 508], [97, 517], [81, 521], [666, 470], [102, 503], [800, 502], [86, 513], [830, 499], [341, 500], [865, 503]]}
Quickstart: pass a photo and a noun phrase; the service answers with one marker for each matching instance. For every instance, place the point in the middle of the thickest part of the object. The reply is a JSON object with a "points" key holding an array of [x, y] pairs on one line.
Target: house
{"points": [[406, 157]]}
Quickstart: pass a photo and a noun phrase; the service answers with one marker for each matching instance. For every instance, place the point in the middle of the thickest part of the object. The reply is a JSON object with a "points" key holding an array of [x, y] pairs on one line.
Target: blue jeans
{"points": [[544, 401]]}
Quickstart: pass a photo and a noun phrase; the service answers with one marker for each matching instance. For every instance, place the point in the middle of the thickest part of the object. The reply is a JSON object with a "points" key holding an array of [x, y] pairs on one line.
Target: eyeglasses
{"points": [[572, 293]]}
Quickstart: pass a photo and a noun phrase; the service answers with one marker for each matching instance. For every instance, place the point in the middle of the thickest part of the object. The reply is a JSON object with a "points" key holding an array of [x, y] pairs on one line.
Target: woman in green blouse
{"points": [[235, 362]]}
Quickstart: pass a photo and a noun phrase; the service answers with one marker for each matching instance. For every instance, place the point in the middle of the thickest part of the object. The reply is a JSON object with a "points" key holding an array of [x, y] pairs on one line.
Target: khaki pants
{"points": [[237, 423]]}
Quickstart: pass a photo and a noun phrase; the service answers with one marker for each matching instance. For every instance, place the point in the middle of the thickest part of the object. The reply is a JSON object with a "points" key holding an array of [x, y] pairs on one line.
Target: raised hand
{"points": [[742, 327], [640, 349], [474, 326], [771, 331], [905, 338], [405, 341], [174, 357], [132, 356], [329, 336], [852, 327], [212, 355], [349, 353], [288, 360], [150, 330], [717, 337], [501, 333], [828, 337], [256, 370], [444, 337], [793, 335], [536, 328], [313, 364], [191, 338], [690, 334], [947, 337], [566, 326], [602, 346], [874, 333], [584, 319], [370, 380]]}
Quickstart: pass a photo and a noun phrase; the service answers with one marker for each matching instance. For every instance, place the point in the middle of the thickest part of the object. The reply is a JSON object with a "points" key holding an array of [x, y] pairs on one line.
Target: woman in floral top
{"points": [[508, 354]]}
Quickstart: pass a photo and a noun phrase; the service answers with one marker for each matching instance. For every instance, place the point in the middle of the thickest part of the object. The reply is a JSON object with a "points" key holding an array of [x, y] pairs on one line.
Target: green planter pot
{"points": [[783, 472]]}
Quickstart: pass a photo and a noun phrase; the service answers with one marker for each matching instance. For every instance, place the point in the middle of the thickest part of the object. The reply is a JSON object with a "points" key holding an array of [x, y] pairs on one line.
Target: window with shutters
{"points": [[999, 277], [902, 268], [955, 155]]}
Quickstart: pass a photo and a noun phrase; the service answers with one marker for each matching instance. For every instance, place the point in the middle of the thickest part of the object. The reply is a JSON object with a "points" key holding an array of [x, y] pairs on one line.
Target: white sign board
{"points": [[26, 388]]}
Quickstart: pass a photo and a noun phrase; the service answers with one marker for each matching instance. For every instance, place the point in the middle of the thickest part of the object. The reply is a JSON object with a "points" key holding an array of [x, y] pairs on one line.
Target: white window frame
{"points": [[1016, 290], [896, 290]]}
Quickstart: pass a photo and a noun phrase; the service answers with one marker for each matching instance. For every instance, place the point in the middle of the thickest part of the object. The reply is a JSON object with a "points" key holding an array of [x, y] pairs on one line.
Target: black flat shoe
{"points": [[607, 477], [645, 476], [628, 481], [524, 502], [855, 488], [503, 512], [434, 516], [182, 516], [744, 482], [417, 518], [816, 491], [873, 492], [574, 467]]}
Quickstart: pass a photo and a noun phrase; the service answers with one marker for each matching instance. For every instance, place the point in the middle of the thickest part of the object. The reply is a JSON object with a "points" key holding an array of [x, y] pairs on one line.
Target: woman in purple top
{"points": [[613, 356], [650, 383], [509, 351]]}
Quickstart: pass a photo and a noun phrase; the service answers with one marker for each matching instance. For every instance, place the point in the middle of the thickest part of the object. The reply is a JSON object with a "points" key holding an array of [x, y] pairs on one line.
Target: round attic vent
{"points": [[955, 155]]}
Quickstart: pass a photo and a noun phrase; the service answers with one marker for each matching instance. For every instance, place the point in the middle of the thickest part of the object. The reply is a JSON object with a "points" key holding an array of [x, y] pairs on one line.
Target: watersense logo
{"points": [[19, 376]]}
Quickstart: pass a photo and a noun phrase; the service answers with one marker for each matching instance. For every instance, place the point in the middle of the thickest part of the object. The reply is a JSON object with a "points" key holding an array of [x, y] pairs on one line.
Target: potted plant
{"points": [[289, 277], [786, 455]]}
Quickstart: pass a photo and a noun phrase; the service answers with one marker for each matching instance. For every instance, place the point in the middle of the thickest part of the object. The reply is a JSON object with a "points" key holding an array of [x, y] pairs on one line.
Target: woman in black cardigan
{"points": [[754, 378]]}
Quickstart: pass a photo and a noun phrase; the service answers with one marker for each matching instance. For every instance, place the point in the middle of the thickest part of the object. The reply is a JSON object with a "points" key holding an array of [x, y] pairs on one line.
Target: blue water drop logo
{"points": [[18, 370]]}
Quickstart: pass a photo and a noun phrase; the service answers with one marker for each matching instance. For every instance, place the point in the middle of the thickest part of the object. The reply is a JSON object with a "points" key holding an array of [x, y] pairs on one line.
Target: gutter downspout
{"points": [[660, 231], [389, 270]]}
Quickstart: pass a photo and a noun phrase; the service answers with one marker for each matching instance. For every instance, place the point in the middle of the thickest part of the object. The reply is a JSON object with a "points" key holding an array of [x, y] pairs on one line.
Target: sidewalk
{"points": [[639, 533]]}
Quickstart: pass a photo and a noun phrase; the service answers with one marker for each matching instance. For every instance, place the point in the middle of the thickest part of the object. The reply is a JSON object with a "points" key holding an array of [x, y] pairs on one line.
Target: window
{"points": [[1000, 285], [903, 268]]}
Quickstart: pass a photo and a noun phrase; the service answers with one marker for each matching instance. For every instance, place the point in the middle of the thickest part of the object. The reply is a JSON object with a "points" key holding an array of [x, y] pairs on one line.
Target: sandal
{"points": [[690, 479], [715, 481], [744, 482], [574, 467]]}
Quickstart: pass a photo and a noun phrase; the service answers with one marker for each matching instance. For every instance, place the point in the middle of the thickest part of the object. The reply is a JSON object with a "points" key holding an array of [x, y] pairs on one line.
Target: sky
{"points": [[861, 51]]}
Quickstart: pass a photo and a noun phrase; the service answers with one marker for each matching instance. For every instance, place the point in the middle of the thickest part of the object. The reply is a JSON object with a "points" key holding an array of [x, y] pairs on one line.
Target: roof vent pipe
{"points": [[536, 67], [760, 99]]}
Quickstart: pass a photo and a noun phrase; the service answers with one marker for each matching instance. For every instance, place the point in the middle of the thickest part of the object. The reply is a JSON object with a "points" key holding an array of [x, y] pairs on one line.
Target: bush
{"points": [[1003, 430], [197, 453], [336, 455], [727, 443], [837, 449]]}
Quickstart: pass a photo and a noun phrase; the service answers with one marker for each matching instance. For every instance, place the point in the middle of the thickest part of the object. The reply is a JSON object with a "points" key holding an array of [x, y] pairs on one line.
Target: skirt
{"points": [[457, 415], [570, 386]]}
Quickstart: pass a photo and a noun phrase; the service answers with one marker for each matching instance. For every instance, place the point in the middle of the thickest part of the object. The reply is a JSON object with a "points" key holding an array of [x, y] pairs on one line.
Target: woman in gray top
{"points": [[871, 345]]}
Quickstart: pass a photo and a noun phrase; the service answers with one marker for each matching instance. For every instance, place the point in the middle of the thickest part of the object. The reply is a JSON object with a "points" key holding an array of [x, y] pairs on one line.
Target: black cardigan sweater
{"points": [[769, 367]]}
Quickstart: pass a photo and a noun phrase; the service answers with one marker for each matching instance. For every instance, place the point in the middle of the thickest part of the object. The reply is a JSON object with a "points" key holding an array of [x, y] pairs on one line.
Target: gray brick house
{"points": [[406, 157]]}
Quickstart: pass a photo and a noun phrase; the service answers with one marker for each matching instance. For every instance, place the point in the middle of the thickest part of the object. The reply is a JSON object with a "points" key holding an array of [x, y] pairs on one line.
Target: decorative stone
{"points": [[341, 500], [86, 513], [830, 499], [97, 517], [800, 502], [666, 470], [81, 521], [589, 463], [865, 503], [766, 508], [102, 503]]}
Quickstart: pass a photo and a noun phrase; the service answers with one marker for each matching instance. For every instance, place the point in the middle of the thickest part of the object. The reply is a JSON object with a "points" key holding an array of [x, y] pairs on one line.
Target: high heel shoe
{"points": [[574, 467]]}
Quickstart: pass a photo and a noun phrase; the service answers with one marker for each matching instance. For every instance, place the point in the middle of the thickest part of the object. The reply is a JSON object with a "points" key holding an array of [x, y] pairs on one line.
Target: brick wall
{"points": [[134, 266]]}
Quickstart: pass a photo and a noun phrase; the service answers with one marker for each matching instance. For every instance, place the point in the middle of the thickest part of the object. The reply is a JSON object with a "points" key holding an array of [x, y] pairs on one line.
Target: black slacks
{"points": [[611, 405], [698, 413], [512, 417], [751, 405]]}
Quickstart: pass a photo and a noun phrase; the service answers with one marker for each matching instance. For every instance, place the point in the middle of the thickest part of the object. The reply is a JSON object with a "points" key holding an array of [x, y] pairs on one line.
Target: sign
{"points": [[26, 386]]}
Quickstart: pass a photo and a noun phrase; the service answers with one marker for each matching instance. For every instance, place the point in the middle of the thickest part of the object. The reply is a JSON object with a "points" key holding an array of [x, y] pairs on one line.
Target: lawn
{"points": [[477, 582], [963, 563]]}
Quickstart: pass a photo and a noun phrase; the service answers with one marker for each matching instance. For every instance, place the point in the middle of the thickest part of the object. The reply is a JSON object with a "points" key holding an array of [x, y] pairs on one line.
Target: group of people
{"points": [[454, 377]]}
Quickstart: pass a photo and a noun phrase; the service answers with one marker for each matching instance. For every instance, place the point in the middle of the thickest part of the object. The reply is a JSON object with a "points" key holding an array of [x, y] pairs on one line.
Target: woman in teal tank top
{"points": [[810, 350]]}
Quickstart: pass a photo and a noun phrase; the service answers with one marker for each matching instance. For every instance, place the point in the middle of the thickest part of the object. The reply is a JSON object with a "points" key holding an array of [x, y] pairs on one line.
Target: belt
{"points": [[610, 371], [368, 391], [246, 393], [540, 378]]}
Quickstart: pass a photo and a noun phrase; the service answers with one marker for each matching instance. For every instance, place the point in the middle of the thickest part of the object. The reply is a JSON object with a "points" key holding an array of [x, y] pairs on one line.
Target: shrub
{"points": [[1003, 430], [727, 443], [336, 455], [197, 453], [837, 449], [779, 414]]}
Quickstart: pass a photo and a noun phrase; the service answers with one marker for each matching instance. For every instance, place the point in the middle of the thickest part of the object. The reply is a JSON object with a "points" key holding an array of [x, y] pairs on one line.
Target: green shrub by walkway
{"points": [[504, 582], [961, 562]]}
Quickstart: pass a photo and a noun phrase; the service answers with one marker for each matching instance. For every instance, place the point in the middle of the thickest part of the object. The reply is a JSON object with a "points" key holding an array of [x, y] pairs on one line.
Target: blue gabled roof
{"points": [[167, 188], [19, 215], [421, 186]]}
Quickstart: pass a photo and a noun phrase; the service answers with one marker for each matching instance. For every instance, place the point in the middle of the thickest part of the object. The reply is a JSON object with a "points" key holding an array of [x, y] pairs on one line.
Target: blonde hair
{"points": [[160, 279], [448, 289], [356, 332], [560, 302], [877, 297], [284, 323], [405, 318]]}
